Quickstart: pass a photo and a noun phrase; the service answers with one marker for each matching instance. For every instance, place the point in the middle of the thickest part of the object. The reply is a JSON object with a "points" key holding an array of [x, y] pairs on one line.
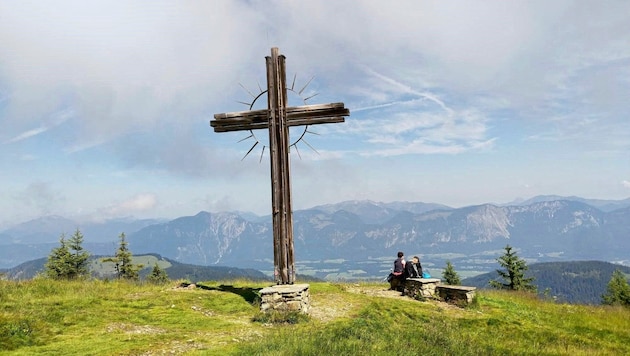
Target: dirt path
{"points": [[377, 292], [336, 306]]}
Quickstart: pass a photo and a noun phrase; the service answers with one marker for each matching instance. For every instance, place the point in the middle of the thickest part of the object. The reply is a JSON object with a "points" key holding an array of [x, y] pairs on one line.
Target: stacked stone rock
{"points": [[420, 288], [286, 297], [423, 288]]}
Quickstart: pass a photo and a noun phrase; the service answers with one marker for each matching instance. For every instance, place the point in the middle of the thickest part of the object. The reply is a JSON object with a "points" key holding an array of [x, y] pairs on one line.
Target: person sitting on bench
{"points": [[397, 277], [413, 269]]}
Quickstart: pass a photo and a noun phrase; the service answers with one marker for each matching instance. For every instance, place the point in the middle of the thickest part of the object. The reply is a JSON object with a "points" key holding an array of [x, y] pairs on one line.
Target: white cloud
{"points": [[40, 197], [120, 66], [125, 68], [139, 84], [137, 204], [626, 183]]}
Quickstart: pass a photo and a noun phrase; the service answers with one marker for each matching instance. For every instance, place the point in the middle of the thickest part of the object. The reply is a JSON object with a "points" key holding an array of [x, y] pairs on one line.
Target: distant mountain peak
{"points": [[544, 229], [602, 204]]}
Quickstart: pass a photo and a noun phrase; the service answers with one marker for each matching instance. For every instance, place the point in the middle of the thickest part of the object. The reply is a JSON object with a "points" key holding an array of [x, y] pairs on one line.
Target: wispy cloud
{"points": [[415, 122], [390, 84], [54, 120], [27, 134], [83, 145], [420, 132]]}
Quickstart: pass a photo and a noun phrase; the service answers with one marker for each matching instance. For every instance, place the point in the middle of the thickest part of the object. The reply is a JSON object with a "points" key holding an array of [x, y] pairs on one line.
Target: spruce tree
{"points": [[514, 273], [617, 291], [69, 260], [157, 275], [79, 257], [58, 264], [450, 276], [122, 260]]}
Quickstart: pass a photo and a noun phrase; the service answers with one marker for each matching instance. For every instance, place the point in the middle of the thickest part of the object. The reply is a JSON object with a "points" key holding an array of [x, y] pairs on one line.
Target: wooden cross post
{"points": [[277, 118]]}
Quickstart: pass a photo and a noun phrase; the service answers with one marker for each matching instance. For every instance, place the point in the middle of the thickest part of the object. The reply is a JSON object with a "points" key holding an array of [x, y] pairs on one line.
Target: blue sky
{"points": [[105, 106]]}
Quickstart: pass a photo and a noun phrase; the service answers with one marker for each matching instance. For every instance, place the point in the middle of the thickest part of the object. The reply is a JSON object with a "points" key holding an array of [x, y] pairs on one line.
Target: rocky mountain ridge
{"points": [[546, 230], [573, 229]]}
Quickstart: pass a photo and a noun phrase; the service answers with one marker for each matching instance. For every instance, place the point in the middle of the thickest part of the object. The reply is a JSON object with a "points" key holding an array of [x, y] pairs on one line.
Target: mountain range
{"points": [[359, 239]]}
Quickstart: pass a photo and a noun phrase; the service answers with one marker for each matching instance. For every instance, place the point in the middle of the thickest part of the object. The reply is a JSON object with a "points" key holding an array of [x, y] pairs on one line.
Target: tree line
{"points": [[512, 276], [70, 261]]}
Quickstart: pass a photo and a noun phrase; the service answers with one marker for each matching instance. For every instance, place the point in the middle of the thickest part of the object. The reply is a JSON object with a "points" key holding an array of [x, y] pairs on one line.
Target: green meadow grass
{"points": [[222, 318]]}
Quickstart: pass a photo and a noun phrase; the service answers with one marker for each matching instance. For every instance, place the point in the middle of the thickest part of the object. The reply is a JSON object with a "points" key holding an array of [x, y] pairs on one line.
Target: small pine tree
{"points": [[157, 275], [449, 274], [79, 257], [514, 274], [617, 291], [57, 266], [122, 260], [69, 260]]}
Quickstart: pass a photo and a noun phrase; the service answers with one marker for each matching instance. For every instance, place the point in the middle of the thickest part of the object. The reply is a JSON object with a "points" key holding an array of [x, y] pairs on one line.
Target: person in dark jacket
{"points": [[397, 277], [413, 269], [399, 264]]}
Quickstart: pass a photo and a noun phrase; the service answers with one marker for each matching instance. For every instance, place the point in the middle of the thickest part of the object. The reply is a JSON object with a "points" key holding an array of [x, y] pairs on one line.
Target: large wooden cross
{"points": [[277, 118]]}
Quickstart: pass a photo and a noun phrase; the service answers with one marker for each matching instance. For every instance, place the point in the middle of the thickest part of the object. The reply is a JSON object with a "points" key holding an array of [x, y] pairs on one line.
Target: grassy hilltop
{"points": [[218, 318]]}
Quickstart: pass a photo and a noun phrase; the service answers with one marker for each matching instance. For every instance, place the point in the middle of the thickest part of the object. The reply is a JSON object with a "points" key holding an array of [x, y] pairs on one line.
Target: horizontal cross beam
{"points": [[296, 116]]}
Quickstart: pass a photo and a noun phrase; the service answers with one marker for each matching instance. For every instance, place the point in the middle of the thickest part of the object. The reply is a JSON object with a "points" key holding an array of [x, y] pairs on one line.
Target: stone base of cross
{"points": [[277, 118]]}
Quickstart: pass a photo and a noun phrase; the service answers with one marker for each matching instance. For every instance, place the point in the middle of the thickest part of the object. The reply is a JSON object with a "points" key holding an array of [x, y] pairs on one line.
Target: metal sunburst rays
{"points": [[301, 138]]}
